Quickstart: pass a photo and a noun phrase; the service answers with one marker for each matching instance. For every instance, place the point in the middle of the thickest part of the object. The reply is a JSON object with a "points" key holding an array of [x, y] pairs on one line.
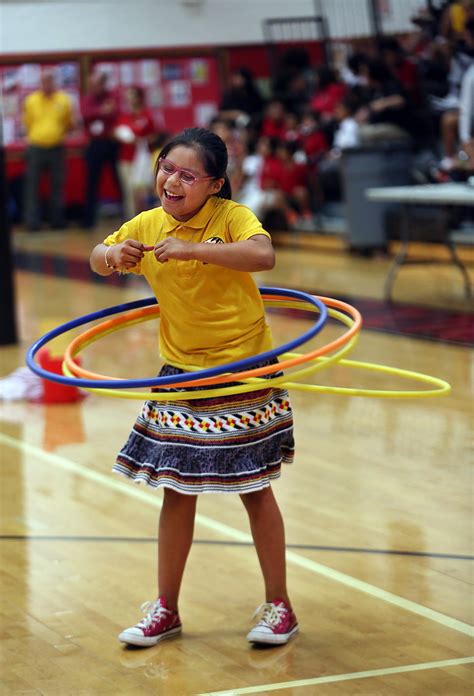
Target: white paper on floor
{"points": [[22, 384]]}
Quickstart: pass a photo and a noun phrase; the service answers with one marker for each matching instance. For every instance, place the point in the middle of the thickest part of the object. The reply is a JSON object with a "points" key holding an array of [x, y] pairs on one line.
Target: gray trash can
{"points": [[368, 167]]}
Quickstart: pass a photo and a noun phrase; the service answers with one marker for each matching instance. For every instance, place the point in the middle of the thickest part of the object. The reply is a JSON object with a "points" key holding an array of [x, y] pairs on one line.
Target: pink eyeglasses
{"points": [[185, 176]]}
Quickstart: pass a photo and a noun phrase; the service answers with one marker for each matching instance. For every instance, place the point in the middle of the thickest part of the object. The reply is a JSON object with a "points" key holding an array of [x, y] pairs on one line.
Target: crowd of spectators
{"points": [[285, 151], [285, 148]]}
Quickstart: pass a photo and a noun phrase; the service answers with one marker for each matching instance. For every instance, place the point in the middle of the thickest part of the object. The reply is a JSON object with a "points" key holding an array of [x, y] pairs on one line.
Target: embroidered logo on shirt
{"points": [[212, 240]]}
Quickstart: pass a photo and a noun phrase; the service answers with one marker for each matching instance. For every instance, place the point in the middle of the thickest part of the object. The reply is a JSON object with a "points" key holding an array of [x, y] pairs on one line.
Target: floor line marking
{"points": [[378, 592], [308, 564], [228, 542], [341, 677]]}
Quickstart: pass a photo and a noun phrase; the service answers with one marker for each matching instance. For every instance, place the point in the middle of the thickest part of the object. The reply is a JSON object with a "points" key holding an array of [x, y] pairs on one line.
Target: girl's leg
{"points": [[175, 536], [268, 534]]}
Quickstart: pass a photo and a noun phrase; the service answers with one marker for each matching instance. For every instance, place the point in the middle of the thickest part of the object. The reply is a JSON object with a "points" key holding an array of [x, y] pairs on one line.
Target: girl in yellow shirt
{"points": [[197, 252]]}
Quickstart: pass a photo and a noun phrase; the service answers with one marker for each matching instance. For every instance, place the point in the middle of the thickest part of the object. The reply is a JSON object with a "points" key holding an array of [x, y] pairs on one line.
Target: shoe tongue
{"points": [[163, 602], [279, 602]]}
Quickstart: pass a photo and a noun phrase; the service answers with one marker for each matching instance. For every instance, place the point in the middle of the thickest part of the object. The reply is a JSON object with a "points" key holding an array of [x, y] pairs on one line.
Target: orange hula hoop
{"points": [[136, 316]]}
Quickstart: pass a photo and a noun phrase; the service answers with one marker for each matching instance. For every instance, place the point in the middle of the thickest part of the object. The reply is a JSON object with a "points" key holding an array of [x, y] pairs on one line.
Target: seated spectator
{"points": [[251, 192], [274, 123], [328, 94], [298, 93], [235, 150], [283, 173], [347, 135], [403, 69], [433, 69], [419, 40], [314, 144], [313, 139], [134, 130], [242, 102], [294, 83], [461, 61], [461, 165], [351, 73], [292, 128], [387, 114]]}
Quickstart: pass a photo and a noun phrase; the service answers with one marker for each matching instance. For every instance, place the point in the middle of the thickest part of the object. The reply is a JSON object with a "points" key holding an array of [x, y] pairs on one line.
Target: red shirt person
{"points": [[100, 111], [135, 124], [134, 130], [329, 93], [274, 121], [282, 173]]}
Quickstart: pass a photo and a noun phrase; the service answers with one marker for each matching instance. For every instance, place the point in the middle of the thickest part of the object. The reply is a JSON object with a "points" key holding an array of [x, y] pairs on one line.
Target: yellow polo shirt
{"points": [[210, 315], [47, 119]]}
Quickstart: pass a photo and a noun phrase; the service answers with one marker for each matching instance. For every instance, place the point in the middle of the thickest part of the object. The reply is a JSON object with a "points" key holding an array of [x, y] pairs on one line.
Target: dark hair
{"points": [[212, 151], [389, 43], [325, 76], [378, 71], [351, 103], [247, 76], [356, 61]]}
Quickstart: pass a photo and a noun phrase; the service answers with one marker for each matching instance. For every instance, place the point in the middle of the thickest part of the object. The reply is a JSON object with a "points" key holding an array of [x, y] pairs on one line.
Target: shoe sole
{"points": [[272, 638], [144, 641]]}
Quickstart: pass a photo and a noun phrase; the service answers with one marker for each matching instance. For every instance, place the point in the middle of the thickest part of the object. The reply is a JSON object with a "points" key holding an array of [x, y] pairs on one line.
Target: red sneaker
{"points": [[277, 625], [158, 624]]}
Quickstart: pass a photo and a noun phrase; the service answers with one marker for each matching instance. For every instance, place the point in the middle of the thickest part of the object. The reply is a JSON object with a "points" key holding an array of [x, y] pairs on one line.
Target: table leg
{"points": [[457, 261], [401, 254]]}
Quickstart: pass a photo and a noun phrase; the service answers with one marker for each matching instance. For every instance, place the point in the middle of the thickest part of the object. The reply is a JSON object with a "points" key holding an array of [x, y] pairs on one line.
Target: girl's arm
{"points": [[254, 254], [105, 260]]}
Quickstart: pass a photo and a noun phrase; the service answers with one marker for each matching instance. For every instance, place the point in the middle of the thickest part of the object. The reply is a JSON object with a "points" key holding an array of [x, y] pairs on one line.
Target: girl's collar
{"points": [[199, 220]]}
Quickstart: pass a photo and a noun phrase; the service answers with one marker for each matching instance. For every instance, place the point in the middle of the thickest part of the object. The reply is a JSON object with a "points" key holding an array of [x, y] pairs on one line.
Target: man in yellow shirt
{"points": [[47, 116]]}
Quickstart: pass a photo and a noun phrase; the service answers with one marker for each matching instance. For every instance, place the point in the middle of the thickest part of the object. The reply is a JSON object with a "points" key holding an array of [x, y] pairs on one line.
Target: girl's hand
{"points": [[172, 248], [127, 254]]}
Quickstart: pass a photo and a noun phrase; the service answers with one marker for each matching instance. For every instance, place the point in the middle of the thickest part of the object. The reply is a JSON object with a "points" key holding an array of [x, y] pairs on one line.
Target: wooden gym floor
{"points": [[378, 508]]}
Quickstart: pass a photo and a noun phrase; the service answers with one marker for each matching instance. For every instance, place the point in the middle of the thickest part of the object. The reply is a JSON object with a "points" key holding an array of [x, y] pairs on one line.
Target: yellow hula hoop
{"points": [[252, 384], [443, 387], [134, 317], [220, 380]]}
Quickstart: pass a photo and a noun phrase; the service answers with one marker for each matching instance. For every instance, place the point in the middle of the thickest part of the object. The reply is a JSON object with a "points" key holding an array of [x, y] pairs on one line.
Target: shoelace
{"points": [[272, 614], [154, 612]]}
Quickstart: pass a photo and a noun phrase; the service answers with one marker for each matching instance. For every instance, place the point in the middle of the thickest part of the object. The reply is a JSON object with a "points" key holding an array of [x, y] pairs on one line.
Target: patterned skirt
{"points": [[228, 444]]}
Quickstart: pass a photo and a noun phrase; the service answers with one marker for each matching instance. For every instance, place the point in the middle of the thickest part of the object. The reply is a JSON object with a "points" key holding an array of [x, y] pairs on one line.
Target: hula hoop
{"points": [[349, 342], [355, 325], [201, 377], [157, 381], [443, 386], [142, 315], [255, 383], [134, 317]]}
